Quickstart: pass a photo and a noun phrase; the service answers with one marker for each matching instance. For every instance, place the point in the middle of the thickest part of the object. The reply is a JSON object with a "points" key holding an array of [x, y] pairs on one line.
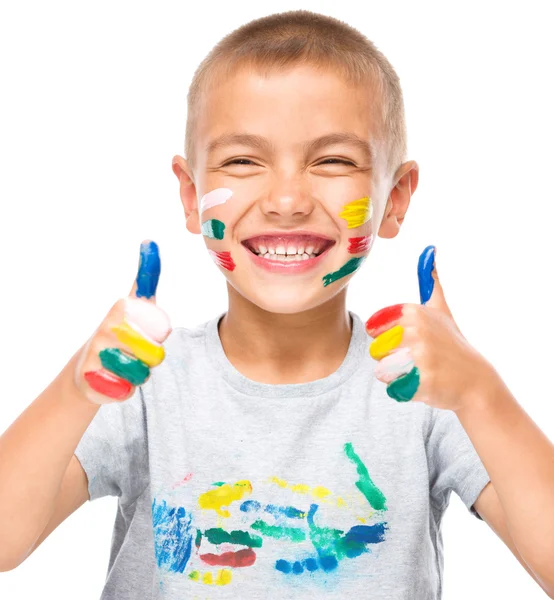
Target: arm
{"points": [[35, 452], [520, 461], [490, 510]]}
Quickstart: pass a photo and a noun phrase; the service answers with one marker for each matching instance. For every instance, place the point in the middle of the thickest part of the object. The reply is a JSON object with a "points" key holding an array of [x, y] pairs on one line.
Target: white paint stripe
{"points": [[215, 197]]}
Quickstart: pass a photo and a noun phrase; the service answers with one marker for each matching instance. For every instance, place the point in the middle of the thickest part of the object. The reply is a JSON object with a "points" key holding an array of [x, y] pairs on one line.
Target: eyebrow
{"points": [[262, 143]]}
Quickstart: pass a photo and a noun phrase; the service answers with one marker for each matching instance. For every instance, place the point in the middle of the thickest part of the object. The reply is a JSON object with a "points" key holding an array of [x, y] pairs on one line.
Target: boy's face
{"points": [[255, 199]]}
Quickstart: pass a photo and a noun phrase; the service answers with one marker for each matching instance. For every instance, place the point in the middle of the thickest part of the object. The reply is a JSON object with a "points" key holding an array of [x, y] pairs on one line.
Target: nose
{"points": [[287, 201]]}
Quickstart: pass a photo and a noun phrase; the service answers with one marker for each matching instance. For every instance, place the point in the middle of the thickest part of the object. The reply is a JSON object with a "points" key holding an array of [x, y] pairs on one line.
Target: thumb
{"points": [[148, 273], [430, 288]]}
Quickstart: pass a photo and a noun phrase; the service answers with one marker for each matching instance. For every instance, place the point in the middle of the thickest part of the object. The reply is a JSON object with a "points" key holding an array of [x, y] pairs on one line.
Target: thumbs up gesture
{"points": [[128, 343], [422, 353]]}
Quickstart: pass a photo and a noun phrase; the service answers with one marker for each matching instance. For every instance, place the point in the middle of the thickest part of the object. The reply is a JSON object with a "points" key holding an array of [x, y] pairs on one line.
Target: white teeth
{"points": [[271, 250], [288, 257], [291, 250], [309, 249], [280, 250], [262, 249], [300, 250]]}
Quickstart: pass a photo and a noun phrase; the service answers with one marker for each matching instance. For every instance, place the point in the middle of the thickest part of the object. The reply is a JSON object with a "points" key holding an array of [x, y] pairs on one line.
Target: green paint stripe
{"points": [[216, 535], [132, 369], [405, 387], [372, 493], [346, 269], [213, 229], [294, 534]]}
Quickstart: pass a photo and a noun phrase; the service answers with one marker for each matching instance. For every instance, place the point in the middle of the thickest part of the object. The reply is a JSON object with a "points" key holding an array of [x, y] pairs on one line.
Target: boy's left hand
{"points": [[422, 353]]}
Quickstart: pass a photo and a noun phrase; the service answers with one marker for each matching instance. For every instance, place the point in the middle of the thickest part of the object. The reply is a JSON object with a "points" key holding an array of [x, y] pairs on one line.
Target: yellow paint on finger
{"points": [[149, 352], [357, 212], [387, 341]]}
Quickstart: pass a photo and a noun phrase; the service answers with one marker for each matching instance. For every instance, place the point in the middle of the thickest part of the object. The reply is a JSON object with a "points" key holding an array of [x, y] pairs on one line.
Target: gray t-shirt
{"points": [[231, 488]]}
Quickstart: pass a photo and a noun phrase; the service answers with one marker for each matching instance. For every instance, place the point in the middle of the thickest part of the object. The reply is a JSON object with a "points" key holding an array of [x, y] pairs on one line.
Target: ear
{"points": [[406, 177], [187, 191]]}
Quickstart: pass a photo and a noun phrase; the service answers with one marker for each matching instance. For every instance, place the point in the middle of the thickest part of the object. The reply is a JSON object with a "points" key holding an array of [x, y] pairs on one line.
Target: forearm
{"points": [[34, 454], [520, 461]]}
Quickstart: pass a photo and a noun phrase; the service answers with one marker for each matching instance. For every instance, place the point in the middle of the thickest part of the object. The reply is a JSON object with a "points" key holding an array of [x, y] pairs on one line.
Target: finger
{"points": [[425, 278], [148, 275]]}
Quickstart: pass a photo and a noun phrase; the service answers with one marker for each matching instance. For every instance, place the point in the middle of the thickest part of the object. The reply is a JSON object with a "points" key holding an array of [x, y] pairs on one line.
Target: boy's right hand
{"points": [[128, 343]]}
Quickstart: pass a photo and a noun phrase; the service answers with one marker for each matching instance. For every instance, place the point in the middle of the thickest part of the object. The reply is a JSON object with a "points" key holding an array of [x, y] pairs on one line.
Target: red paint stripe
{"points": [[108, 384], [225, 260], [383, 319], [359, 244], [242, 558]]}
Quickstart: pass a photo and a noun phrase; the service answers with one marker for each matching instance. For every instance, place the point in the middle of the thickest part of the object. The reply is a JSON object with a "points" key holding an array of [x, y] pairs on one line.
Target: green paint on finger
{"points": [[372, 493], [213, 229], [352, 265], [404, 388], [132, 369]]}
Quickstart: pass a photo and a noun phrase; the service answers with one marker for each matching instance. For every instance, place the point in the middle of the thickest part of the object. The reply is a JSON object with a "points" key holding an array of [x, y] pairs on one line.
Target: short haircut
{"points": [[301, 37]]}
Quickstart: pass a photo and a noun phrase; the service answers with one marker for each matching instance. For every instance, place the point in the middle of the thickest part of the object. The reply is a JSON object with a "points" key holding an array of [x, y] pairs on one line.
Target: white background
{"points": [[92, 109]]}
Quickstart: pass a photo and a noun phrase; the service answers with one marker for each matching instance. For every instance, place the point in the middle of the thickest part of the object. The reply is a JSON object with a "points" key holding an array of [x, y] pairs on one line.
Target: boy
{"points": [[261, 454]]}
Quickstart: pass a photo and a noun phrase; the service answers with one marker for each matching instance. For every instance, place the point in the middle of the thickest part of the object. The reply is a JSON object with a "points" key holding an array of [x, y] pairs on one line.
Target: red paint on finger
{"points": [[383, 319], [108, 384]]}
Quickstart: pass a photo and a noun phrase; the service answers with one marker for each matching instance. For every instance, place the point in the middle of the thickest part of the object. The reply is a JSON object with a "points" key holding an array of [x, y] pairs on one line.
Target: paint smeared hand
{"points": [[422, 353], [128, 343]]}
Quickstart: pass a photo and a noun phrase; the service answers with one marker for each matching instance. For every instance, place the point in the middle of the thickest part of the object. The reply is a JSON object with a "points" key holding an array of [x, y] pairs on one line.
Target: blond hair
{"points": [[290, 38]]}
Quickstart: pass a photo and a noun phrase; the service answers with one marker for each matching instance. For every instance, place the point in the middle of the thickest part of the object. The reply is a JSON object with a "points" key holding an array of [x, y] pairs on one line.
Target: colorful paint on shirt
{"points": [[213, 229], [223, 259], [297, 535], [352, 265], [357, 212]]}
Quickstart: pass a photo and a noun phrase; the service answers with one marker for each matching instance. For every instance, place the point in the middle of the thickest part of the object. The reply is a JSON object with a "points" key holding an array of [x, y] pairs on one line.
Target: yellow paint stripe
{"points": [[387, 341], [150, 353], [357, 212]]}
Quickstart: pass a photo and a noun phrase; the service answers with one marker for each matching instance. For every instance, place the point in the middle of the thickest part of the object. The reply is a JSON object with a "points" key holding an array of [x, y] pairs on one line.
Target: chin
{"points": [[288, 300]]}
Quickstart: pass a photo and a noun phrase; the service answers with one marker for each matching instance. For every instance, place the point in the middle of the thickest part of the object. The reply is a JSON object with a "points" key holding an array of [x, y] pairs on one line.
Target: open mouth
{"points": [[288, 247]]}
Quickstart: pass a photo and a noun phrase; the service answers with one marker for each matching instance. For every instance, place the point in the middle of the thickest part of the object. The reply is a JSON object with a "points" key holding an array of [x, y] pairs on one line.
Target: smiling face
{"points": [[289, 184]]}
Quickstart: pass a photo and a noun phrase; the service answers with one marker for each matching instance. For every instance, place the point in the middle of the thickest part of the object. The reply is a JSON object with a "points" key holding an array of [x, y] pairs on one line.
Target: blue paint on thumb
{"points": [[149, 270], [424, 269]]}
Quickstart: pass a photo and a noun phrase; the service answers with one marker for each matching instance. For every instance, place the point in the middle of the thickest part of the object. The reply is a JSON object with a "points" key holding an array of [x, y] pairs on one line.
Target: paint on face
{"points": [[108, 384], [359, 244], [357, 212], [214, 198], [149, 270], [133, 370], [352, 265], [223, 259], [213, 229]]}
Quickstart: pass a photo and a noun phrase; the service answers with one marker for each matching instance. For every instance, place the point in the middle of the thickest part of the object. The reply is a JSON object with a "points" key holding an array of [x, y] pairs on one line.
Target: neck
{"points": [[285, 348]]}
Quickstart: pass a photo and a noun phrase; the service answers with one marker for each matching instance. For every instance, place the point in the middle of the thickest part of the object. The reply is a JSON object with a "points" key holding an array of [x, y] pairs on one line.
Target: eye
{"points": [[337, 160], [237, 161]]}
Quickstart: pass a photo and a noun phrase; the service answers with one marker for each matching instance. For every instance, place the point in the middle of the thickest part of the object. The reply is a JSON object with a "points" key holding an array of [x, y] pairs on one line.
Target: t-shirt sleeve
{"points": [[113, 450], [453, 462]]}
